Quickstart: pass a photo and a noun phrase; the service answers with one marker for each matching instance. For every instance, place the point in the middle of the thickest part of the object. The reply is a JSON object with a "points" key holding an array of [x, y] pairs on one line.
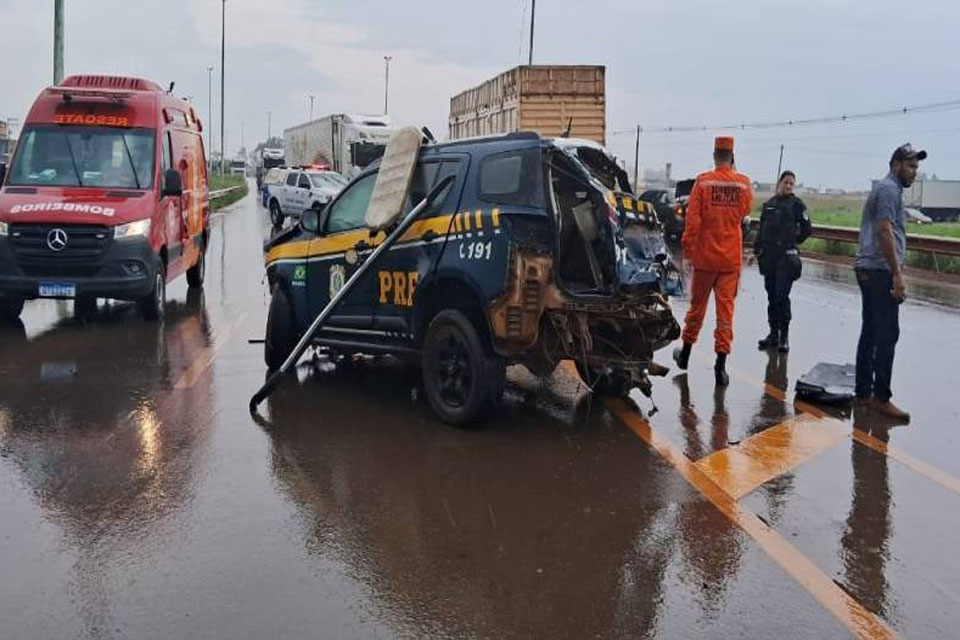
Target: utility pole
{"points": [[636, 164], [311, 97], [57, 41], [779, 166], [243, 130], [268, 125], [533, 13], [386, 85], [223, 59], [210, 113]]}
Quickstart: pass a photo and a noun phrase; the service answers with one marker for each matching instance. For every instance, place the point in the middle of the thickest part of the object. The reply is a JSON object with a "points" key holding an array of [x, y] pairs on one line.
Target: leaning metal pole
{"points": [[277, 376]]}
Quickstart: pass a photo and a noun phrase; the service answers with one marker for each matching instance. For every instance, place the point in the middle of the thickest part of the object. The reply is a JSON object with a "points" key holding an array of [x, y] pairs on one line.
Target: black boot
{"points": [[720, 370], [772, 339], [682, 356], [783, 344]]}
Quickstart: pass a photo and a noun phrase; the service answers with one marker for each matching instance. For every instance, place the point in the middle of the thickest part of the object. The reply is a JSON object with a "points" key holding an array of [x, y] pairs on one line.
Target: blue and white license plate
{"points": [[57, 290]]}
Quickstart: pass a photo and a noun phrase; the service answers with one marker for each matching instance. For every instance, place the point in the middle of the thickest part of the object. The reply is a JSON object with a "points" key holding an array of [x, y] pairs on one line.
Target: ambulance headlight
{"points": [[4, 229], [132, 229]]}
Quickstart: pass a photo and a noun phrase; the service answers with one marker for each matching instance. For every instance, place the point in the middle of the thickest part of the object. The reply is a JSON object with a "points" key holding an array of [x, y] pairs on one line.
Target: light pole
{"points": [[210, 112], [57, 41], [386, 85], [636, 164], [533, 13], [268, 125], [223, 58], [311, 97]]}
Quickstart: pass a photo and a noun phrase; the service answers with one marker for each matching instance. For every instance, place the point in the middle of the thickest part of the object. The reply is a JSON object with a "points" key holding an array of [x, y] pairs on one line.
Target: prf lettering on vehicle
{"points": [[89, 118], [69, 207], [398, 287]]}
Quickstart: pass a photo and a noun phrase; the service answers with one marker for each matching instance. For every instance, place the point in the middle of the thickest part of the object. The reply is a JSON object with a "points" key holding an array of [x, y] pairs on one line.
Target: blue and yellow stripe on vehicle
{"points": [[458, 224]]}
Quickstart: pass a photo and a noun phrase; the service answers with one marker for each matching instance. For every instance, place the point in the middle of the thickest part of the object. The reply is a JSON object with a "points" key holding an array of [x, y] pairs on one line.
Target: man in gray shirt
{"points": [[879, 266]]}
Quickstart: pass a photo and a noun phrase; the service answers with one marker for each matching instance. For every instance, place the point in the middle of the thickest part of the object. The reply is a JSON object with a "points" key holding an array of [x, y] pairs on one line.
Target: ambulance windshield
{"points": [[100, 157]]}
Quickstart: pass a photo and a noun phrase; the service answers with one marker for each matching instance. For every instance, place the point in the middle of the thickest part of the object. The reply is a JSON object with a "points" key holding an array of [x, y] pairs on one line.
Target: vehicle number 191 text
{"points": [[476, 250]]}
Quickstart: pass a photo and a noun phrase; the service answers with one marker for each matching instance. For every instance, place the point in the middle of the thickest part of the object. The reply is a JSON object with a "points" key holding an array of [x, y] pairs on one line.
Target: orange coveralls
{"points": [[713, 241]]}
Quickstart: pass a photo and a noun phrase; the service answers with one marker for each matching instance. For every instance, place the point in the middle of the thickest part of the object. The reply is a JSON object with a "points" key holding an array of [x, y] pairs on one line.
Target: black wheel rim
{"points": [[452, 368]]}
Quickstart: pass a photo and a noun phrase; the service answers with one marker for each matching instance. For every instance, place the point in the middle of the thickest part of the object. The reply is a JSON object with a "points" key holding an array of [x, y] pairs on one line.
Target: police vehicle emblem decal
{"points": [[338, 276]]}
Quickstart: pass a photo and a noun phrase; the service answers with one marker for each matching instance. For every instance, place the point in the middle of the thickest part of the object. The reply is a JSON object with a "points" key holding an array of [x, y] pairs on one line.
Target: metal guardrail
{"points": [[219, 193], [926, 244]]}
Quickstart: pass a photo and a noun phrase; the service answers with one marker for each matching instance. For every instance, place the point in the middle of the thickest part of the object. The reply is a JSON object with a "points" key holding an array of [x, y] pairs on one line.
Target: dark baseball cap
{"points": [[907, 152]]}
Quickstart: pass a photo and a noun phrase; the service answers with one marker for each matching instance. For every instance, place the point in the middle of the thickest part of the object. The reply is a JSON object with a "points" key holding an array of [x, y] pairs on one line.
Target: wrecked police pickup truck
{"points": [[520, 260]]}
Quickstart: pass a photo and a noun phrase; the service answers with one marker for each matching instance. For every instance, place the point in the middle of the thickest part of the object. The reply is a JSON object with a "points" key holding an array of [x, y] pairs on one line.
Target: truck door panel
{"points": [[328, 269], [171, 207], [288, 192], [407, 265]]}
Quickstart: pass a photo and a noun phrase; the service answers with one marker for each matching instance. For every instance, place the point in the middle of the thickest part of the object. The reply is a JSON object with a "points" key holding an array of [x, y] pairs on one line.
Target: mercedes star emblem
{"points": [[57, 239]]}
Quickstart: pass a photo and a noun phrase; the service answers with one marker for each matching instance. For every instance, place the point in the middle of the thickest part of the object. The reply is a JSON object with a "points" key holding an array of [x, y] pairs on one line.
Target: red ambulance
{"points": [[106, 196]]}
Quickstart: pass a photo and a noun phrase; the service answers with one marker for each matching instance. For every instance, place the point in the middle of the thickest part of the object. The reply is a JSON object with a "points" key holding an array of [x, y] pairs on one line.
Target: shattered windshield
{"points": [[84, 157]]}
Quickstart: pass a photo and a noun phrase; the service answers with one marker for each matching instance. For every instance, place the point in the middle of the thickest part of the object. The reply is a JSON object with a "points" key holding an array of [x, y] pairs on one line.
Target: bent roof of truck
{"points": [[143, 100]]}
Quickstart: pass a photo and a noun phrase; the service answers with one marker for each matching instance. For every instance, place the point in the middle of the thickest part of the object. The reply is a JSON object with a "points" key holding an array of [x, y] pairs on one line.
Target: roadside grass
{"points": [[224, 182]]}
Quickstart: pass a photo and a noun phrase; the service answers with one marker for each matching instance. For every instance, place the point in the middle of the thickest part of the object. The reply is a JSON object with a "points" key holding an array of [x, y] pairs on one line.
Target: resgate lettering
{"points": [[91, 119]]}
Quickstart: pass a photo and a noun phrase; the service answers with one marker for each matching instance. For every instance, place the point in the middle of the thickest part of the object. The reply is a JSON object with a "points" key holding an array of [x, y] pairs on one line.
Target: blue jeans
{"points": [[879, 333]]}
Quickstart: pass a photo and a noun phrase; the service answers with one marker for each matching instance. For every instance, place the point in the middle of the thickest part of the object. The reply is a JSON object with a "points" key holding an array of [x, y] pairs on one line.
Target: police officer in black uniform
{"points": [[784, 224]]}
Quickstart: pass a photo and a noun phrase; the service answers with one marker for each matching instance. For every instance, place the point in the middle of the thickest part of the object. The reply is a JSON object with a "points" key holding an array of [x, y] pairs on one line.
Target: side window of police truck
{"points": [[423, 180], [292, 179], [350, 209], [304, 182], [512, 178]]}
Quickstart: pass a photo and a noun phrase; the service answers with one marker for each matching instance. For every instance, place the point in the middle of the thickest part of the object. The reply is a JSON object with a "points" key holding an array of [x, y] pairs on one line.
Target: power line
{"points": [[935, 107]]}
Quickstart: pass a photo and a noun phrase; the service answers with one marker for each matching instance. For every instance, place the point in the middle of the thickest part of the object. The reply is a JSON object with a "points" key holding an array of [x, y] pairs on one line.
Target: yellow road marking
{"points": [[740, 469], [206, 357], [848, 611], [925, 469]]}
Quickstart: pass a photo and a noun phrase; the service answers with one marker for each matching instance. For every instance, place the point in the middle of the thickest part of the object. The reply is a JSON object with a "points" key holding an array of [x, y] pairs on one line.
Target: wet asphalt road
{"points": [[138, 499]]}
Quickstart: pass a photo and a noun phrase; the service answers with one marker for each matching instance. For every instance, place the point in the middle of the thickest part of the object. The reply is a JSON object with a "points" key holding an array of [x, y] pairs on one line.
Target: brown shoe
{"points": [[863, 402], [890, 410]]}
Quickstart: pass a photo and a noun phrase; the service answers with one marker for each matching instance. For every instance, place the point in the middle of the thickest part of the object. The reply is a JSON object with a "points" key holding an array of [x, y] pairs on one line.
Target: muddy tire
{"points": [[276, 215], [615, 384], [196, 273], [10, 308], [460, 379], [154, 306], [282, 334]]}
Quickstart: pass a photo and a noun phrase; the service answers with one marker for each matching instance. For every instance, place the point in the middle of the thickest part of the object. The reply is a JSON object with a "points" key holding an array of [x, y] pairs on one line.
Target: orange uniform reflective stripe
{"points": [[712, 237]]}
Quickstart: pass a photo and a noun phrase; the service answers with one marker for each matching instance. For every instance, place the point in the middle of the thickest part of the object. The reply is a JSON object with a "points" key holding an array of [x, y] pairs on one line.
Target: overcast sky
{"points": [[673, 62]]}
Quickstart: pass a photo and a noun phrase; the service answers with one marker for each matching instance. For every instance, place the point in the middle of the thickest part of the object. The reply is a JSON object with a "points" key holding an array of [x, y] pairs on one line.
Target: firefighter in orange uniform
{"points": [[713, 242]]}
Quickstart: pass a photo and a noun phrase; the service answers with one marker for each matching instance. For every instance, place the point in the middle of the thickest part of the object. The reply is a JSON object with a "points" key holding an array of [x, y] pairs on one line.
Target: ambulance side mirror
{"points": [[172, 184]]}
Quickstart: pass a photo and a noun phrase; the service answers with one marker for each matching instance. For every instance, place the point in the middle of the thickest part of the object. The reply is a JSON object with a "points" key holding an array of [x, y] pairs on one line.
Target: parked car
{"points": [[521, 260], [106, 197], [301, 190], [275, 176]]}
